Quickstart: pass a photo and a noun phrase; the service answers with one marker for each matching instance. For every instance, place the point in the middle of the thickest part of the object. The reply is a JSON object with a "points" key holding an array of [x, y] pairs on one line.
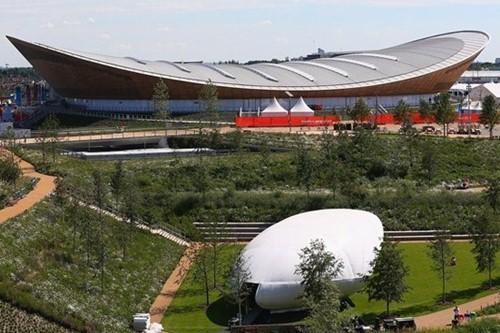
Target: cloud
{"points": [[71, 22], [104, 35], [91, 20], [163, 28], [48, 25], [265, 22]]}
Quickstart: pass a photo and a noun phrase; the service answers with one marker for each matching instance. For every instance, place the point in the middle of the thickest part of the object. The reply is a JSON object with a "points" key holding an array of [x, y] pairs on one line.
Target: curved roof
{"points": [[272, 256], [347, 71]]}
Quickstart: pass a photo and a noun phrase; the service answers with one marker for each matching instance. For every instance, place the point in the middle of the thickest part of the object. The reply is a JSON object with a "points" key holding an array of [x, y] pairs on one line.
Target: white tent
{"points": [[301, 109], [272, 256], [274, 110]]}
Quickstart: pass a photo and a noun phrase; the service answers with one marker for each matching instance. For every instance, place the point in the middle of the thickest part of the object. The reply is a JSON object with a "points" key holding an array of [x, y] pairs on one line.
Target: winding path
{"points": [[45, 186], [173, 283], [442, 319]]}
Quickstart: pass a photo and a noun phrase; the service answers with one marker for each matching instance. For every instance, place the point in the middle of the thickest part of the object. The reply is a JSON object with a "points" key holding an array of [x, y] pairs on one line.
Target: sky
{"points": [[218, 30]]}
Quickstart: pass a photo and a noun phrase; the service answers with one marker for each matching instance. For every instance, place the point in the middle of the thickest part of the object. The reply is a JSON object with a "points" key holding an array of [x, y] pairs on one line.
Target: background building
{"points": [[409, 71]]}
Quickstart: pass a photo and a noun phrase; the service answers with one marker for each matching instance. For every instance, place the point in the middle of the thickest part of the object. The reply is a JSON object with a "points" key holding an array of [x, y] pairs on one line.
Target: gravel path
{"points": [[173, 283], [442, 319], [45, 186]]}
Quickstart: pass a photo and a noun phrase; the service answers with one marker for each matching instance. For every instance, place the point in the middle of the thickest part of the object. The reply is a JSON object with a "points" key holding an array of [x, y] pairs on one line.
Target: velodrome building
{"points": [[410, 71]]}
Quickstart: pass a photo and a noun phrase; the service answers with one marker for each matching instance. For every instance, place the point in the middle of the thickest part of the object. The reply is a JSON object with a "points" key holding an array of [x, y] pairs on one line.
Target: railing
{"points": [[168, 228]]}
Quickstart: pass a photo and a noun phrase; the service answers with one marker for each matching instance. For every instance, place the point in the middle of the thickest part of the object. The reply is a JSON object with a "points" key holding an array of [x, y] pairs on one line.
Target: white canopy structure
{"points": [[274, 110], [272, 257], [301, 109]]}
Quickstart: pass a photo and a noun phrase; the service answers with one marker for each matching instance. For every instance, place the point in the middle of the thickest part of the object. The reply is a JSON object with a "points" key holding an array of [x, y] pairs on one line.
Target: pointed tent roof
{"points": [[274, 109], [301, 108]]}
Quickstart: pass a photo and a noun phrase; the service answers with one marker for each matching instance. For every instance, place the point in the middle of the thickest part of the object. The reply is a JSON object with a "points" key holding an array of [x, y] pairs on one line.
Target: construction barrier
{"points": [[379, 119], [288, 121]]}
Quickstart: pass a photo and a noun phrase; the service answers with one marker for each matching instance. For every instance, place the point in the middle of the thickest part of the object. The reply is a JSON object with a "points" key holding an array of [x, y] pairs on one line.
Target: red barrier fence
{"points": [[286, 121], [379, 119]]}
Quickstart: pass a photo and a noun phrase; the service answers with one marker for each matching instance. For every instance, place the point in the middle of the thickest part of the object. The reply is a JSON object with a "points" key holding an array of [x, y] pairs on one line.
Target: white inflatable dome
{"points": [[272, 256]]}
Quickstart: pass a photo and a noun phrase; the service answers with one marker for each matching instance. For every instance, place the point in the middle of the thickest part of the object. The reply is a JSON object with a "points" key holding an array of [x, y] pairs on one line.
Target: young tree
{"points": [[425, 109], [444, 112], [48, 138], [118, 181], [441, 254], [490, 115], [304, 166], [492, 194], [201, 271], [129, 207], [360, 111], [317, 269], [99, 196], [9, 168], [209, 100], [317, 266], [402, 114], [237, 286], [429, 161], [486, 243], [386, 280], [160, 102], [324, 314]]}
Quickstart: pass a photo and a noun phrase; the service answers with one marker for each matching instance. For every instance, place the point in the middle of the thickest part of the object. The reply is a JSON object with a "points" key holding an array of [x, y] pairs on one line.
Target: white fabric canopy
{"points": [[272, 256], [274, 110], [301, 109]]}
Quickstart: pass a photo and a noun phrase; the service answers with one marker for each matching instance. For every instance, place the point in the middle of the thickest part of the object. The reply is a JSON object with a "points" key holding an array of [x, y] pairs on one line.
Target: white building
{"points": [[272, 257], [478, 93]]}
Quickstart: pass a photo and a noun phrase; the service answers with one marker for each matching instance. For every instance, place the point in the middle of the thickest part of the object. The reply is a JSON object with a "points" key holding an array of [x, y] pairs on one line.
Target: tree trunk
{"points": [[387, 302], [491, 131]]}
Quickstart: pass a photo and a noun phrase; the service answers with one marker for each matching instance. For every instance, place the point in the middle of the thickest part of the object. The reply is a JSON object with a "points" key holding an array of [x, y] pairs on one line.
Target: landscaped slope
{"points": [[67, 265]]}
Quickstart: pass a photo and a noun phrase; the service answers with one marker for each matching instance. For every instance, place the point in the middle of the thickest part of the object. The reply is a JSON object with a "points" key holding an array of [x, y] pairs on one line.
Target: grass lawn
{"points": [[188, 313], [425, 293], [50, 265]]}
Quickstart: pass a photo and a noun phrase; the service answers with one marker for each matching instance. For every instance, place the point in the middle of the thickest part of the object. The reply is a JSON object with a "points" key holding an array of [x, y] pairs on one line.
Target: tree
{"points": [[9, 168], [490, 116], [209, 100], [324, 314], [239, 290], [129, 207], [304, 166], [316, 267], [386, 280], [160, 102], [444, 112], [49, 137], [492, 194], [118, 181], [201, 271], [486, 243], [425, 109], [99, 202], [429, 161], [402, 114], [360, 111], [441, 254]]}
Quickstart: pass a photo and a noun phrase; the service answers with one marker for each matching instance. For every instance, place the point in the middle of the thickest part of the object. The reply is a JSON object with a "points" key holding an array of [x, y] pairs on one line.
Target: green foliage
{"points": [[13, 319], [387, 279], [486, 243], [317, 267], [324, 313], [443, 111], [402, 114], [490, 115], [9, 169], [441, 254], [160, 100], [50, 266], [48, 138], [360, 111]]}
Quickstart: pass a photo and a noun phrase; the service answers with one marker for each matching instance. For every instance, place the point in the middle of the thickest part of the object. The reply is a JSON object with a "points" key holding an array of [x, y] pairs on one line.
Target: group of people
{"points": [[459, 317]]}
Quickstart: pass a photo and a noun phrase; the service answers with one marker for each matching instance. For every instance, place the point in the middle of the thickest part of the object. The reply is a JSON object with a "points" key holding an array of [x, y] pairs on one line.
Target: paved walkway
{"points": [[173, 283], [45, 186], [442, 319]]}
